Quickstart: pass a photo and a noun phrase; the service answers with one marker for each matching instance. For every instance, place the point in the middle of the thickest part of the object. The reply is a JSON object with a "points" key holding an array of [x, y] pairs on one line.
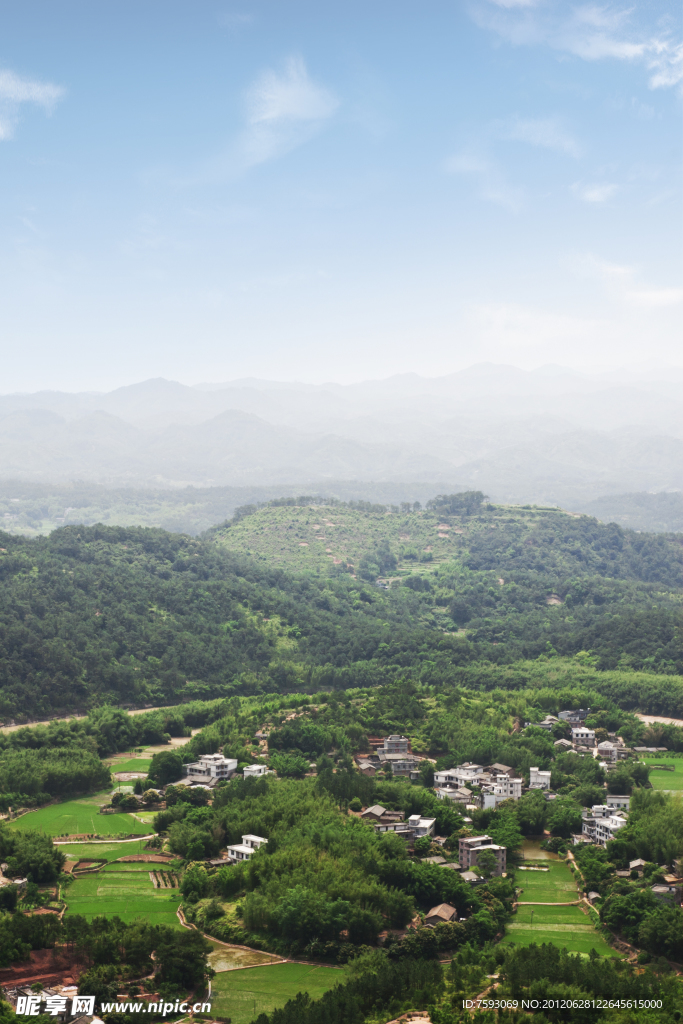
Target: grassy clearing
{"points": [[672, 781], [565, 926], [242, 995], [76, 817], [127, 895]]}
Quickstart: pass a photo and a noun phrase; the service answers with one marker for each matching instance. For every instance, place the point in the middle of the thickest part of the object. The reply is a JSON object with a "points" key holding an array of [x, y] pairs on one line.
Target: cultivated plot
{"points": [[243, 995], [565, 926], [80, 817], [667, 780], [128, 895]]}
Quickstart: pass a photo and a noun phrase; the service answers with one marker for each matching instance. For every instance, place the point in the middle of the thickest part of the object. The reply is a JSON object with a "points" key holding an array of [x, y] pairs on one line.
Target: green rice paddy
{"points": [[243, 995], [78, 817]]}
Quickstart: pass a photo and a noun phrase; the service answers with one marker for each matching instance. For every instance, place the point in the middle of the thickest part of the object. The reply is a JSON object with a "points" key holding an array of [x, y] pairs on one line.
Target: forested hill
{"points": [[140, 616]]}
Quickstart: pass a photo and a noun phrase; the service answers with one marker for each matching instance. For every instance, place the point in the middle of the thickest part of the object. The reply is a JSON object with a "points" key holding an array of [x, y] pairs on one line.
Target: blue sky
{"points": [[333, 191]]}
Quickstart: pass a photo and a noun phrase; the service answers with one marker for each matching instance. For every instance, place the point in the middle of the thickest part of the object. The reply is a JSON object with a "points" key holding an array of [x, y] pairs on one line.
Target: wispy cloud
{"points": [[546, 132], [15, 90], [623, 282], [283, 110], [596, 192], [590, 31], [490, 182]]}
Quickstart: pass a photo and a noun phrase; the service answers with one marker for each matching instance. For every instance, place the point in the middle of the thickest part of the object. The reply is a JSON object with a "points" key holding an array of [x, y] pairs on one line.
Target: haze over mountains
{"points": [[550, 435]]}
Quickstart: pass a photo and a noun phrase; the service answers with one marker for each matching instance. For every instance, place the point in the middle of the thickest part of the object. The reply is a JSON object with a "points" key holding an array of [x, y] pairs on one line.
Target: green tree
{"points": [[166, 766]]}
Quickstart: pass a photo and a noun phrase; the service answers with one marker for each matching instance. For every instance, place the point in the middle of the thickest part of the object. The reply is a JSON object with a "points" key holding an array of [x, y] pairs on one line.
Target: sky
{"points": [[206, 190]]}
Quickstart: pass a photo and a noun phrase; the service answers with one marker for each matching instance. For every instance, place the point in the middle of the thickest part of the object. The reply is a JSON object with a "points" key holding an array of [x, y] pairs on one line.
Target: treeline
{"points": [[115, 955], [30, 854], [63, 758]]}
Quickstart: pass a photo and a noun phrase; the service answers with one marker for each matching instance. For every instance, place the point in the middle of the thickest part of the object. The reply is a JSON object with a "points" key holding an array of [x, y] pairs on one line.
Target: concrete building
{"points": [[538, 779], [245, 849], [210, 769], [470, 848], [670, 894], [579, 716], [396, 745], [601, 823], [420, 826], [504, 788], [618, 802], [583, 736], [463, 775], [461, 796], [254, 771]]}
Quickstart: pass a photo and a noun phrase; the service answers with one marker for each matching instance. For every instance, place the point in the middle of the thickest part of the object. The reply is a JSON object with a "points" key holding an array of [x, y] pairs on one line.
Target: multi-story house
{"points": [[470, 848]]}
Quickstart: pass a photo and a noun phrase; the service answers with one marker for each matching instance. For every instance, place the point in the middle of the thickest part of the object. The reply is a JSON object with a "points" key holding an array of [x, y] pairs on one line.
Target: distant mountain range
{"points": [[548, 436]]}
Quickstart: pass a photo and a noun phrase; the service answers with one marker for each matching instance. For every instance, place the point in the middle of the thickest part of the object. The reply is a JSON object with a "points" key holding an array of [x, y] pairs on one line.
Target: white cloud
{"points": [[15, 90], [595, 193], [283, 110], [545, 132], [622, 283], [491, 184], [589, 31]]}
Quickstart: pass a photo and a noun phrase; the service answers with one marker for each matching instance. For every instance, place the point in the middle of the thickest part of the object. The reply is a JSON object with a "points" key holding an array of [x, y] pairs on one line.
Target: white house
{"points": [[463, 775], [210, 769], [420, 826], [583, 736], [504, 788], [253, 771], [601, 823], [607, 828], [245, 849], [538, 779], [617, 802]]}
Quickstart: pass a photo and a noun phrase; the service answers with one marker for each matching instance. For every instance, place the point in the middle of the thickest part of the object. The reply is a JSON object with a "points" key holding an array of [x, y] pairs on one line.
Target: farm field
{"points": [[565, 926], [554, 885], [243, 995], [672, 781], [132, 764], [102, 851], [80, 816], [124, 894]]}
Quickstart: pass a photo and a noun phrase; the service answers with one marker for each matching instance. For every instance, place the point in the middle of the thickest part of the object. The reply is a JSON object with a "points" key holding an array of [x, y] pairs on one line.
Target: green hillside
{"points": [[332, 539], [95, 615], [378, 540]]}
